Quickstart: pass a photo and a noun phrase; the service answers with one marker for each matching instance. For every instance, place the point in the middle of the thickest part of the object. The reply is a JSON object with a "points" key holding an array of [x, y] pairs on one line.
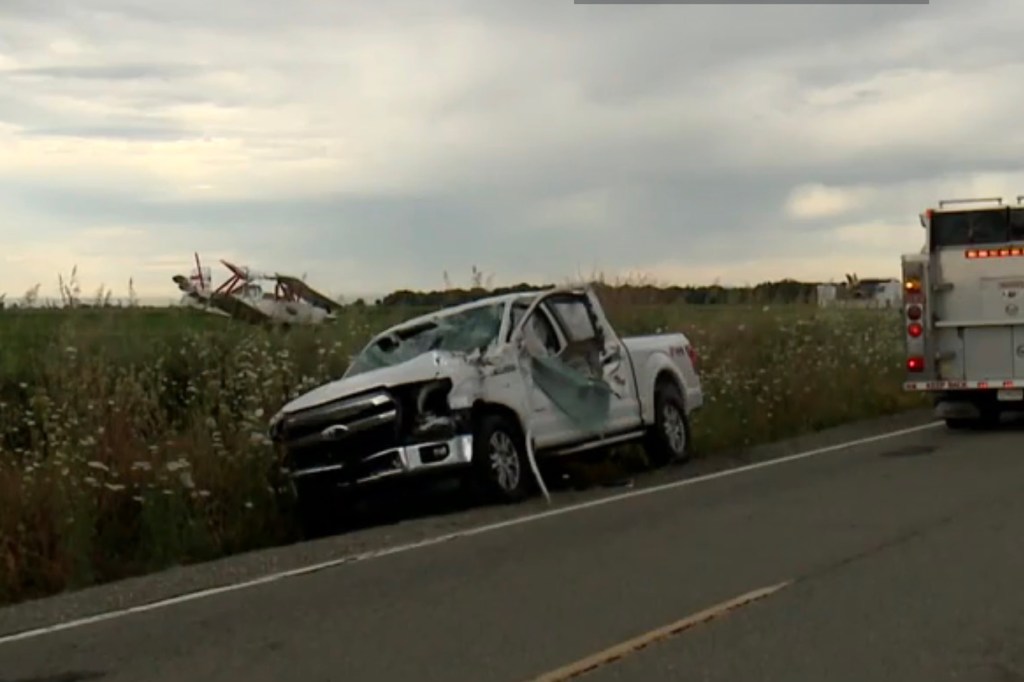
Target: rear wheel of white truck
{"points": [[501, 469], [668, 440]]}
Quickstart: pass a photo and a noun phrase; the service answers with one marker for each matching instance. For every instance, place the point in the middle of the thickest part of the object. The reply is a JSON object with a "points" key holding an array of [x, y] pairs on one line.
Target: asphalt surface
{"points": [[906, 558]]}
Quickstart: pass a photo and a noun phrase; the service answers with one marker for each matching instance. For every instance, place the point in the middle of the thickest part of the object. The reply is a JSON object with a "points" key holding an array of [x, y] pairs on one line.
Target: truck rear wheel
{"points": [[669, 438]]}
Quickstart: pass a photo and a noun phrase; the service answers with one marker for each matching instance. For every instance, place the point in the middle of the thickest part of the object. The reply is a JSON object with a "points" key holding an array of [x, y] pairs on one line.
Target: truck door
{"points": [[583, 322], [580, 385], [542, 343]]}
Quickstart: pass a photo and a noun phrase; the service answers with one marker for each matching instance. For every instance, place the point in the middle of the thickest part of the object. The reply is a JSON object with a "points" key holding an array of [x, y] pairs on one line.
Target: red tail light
{"points": [[914, 329], [1014, 252], [691, 352], [915, 364]]}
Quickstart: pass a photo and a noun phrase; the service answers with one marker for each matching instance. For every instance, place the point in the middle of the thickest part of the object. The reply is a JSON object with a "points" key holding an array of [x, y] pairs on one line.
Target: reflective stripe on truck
{"points": [[962, 385]]}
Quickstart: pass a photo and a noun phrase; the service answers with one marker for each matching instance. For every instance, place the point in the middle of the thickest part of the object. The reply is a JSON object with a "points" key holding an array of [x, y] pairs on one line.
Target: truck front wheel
{"points": [[669, 438], [500, 465]]}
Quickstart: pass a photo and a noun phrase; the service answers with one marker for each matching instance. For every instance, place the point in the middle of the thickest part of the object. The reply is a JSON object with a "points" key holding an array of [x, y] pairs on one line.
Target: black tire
{"points": [[989, 419], [501, 469], [669, 439]]}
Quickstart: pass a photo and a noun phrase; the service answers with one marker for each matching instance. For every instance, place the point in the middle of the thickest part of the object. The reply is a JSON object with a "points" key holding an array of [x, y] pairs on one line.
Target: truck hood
{"points": [[432, 365]]}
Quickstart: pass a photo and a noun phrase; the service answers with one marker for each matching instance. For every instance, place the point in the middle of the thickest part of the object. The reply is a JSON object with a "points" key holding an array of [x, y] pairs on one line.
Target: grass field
{"points": [[133, 439]]}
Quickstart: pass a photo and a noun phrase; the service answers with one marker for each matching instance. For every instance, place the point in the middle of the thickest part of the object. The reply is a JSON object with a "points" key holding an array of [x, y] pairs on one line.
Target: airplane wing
{"points": [[308, 293], [239, 309]]}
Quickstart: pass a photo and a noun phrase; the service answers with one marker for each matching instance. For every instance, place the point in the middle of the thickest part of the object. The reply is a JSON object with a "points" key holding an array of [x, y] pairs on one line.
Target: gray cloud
{"points": [[113, 132], [524, 137], [126, 72], [712, 217]]}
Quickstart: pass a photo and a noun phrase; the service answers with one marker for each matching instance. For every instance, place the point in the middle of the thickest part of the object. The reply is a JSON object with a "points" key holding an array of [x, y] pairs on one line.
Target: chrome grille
{"points": [[347, 429]]}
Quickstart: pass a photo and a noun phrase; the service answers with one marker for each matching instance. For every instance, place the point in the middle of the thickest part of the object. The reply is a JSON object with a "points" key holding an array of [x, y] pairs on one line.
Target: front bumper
{"points": [[405, 460]]}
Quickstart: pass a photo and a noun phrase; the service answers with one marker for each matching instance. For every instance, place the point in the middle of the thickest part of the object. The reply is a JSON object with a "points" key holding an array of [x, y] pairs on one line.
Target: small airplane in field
{"points": [[242, 297]]}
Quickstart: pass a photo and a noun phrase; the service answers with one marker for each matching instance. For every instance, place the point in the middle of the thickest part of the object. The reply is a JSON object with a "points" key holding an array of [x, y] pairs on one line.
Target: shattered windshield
{"points": [[475, 328]]}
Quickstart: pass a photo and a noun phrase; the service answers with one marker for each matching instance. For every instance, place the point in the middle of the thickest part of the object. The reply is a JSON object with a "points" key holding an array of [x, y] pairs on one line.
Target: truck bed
{"points": [[642, 350]]}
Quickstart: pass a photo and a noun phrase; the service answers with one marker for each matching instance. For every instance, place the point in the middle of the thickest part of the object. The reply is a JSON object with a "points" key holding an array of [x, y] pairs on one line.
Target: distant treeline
{"points": [[781, 292]]}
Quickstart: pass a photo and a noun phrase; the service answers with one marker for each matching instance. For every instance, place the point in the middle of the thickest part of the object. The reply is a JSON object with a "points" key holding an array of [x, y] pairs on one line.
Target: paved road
{"points": [[906, 559]]}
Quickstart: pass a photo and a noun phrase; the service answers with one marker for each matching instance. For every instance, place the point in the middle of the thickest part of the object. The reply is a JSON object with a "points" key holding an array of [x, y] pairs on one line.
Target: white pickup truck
{"points": [[466, 388]]}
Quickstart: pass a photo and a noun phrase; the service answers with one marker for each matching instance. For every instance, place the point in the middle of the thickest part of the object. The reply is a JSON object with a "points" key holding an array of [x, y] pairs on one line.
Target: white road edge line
{"points": [[438, 539]]}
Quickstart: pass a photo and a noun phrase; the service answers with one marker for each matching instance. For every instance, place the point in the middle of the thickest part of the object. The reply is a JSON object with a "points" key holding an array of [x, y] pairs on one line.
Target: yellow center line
{"points": [[631, 646]]}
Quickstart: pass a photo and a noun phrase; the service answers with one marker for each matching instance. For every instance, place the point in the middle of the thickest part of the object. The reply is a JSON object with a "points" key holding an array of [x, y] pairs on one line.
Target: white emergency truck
{"points": [[963, 306]]}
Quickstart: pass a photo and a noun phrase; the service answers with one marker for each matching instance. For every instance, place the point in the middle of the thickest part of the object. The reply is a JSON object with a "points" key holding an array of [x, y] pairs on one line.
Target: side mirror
{"points": [[612, 357]]}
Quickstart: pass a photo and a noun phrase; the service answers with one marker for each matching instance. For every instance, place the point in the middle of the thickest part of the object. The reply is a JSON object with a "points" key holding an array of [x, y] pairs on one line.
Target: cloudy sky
{"points": [[375, 145]]}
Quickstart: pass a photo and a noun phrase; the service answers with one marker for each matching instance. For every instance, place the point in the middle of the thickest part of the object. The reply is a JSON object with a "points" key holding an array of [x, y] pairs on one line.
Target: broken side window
{"points": [[539, 333], [583, 351], [575, 319]]}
